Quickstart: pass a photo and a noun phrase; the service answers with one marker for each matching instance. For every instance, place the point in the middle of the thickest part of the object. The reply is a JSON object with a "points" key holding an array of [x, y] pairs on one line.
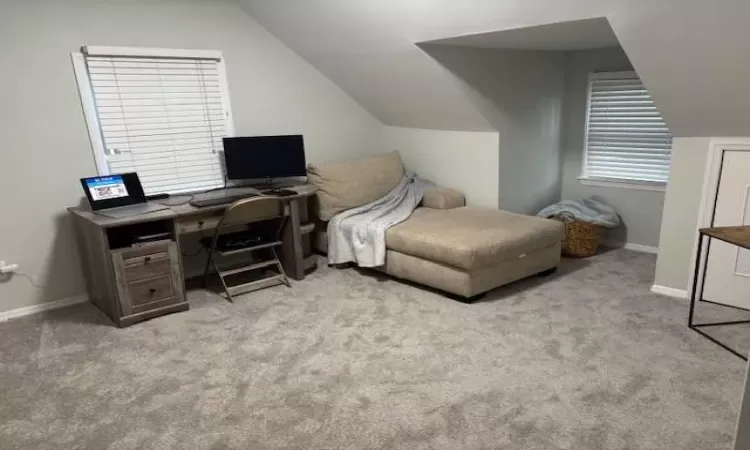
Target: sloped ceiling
{"points": [[691, 54], [585, 34]]}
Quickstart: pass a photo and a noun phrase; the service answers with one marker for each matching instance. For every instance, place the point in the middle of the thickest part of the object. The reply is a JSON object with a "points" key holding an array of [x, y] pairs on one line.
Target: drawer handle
{"points": [[152, 291], [147, 259]]}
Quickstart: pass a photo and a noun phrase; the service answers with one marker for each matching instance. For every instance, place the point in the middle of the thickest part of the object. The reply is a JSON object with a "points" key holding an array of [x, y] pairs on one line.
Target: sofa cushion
{"points": [[354, 183], [471, 238], [442, 198]]}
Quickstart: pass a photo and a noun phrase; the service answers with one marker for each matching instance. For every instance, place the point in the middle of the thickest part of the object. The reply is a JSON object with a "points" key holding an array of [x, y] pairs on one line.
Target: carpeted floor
{"points": [[585, 359]]}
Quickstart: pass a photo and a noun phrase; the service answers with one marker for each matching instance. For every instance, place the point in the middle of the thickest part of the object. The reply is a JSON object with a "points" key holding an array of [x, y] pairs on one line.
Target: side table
{"points": [[739, 236]]}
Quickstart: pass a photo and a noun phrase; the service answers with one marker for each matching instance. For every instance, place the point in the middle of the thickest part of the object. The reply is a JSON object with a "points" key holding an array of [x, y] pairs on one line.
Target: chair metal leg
{"points": [[284, 278], [226, 289], [223, 283], [696, 296]]}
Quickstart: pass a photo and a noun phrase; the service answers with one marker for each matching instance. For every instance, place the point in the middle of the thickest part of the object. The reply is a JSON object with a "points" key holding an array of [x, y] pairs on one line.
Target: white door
{"points": [[728, 271]]}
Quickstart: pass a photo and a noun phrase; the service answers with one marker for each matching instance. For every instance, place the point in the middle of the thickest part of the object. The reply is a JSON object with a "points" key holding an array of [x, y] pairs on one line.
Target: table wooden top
{"points": [[111, 222], [185, 209], [739, 236]]}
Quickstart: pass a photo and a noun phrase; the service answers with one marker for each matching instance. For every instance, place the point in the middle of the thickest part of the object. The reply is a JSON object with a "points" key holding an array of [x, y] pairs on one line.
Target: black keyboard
{"points": [[219, 201]]}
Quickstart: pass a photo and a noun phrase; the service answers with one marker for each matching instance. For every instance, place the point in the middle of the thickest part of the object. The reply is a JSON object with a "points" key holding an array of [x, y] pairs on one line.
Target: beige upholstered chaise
{"points": [[463, 250]]}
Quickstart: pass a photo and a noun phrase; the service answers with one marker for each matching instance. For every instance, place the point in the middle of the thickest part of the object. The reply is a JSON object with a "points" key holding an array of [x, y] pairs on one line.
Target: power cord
{"points": [[191, 255], [190, 199], [30, 278], [168, 202], [200, 249]]}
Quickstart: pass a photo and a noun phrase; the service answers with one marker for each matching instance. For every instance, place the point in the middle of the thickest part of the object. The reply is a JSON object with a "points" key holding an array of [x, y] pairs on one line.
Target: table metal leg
{"points": [[697, 295], [698, 265]]}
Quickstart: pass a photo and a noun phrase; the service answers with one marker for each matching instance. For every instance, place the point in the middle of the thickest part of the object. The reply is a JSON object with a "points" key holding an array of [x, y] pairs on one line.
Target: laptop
{"points": [[118, 196]]}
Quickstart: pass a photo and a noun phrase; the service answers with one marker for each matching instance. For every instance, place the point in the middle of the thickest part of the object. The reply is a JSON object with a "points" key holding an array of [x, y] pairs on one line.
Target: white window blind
{"points": [[162, 117], [626, 137]]}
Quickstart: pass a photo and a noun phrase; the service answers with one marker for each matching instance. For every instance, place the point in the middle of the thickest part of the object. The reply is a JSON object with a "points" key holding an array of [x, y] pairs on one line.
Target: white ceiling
{"points": [[691, 54], [582, 34]]}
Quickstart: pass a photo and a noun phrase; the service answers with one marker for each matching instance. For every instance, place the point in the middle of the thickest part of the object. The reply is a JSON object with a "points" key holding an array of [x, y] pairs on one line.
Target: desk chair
{"points": [[250, 211]]}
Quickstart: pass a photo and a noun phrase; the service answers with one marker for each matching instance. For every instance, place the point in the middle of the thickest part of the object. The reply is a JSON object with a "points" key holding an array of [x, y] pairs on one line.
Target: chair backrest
{"points": [[251, 210]]}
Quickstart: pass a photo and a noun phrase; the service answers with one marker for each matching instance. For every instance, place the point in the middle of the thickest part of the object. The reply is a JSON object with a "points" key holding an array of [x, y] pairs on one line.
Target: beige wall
{"points": [[640, 210], [521, 94], [463, 160], [45, 145], [680, 217]]}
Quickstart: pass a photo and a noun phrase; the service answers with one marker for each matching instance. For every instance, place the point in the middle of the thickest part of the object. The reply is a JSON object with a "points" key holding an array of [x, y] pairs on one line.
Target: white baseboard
{"points": [[641, 248], [35, 309], [669, 292], [630, 246]]}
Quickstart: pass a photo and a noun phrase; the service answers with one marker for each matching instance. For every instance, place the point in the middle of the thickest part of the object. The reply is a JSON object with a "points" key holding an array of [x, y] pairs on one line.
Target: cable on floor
{"points": [[31, 280]]}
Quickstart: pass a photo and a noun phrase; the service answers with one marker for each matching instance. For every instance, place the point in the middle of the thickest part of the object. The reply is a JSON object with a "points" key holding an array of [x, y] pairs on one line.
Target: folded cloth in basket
{"points": [[589, 210]]}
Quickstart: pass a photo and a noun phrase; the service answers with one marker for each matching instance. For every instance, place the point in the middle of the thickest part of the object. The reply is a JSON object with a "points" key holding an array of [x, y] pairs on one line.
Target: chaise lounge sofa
{"points": [[463, 250]]}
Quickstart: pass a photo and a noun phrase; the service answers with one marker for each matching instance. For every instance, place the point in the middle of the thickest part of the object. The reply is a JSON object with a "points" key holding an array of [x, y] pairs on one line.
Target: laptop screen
{"points": [[114, 190], [105, 188]]}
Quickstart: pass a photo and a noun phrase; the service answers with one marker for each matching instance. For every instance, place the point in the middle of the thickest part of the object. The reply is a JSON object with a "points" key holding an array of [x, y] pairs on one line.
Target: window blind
{"points": [[626, 137], [163, 118]]}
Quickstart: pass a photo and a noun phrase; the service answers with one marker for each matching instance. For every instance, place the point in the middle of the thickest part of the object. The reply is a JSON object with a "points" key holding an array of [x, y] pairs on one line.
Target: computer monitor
{"points": [[264, 157]]}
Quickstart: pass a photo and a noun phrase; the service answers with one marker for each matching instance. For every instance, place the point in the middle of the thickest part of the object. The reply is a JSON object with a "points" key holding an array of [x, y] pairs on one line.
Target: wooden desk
{"points": [[130, 284], [739, 236]]}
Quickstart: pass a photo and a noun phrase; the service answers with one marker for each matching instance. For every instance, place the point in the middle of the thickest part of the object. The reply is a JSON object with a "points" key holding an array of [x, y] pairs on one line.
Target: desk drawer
{"points": [[149, 266], [135, 253], [150, 291], [195, 225]]}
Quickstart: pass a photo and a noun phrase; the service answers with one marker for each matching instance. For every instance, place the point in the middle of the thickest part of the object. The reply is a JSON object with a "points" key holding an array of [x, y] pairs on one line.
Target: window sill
{"points": [[625, 184]]}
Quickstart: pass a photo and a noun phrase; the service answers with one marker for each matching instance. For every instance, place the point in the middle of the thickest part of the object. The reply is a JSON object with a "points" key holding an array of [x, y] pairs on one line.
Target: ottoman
{"points": [[468, 251]]}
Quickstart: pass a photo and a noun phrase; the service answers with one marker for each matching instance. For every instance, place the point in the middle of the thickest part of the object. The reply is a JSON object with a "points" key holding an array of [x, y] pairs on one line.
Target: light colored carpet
{"points": [[585, 359]]}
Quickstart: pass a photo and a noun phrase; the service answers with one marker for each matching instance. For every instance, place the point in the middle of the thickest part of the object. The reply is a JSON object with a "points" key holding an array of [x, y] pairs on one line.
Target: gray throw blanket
{"points": [[589, 210], [358, 235]]}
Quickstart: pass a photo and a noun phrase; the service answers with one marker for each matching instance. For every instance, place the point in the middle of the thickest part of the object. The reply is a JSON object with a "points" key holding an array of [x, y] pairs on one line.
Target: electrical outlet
{"points": [[8, 268]]}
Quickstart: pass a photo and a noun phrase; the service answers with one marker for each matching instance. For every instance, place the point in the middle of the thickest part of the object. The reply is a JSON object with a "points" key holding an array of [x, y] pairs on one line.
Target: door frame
{"points": [[711, 179]]}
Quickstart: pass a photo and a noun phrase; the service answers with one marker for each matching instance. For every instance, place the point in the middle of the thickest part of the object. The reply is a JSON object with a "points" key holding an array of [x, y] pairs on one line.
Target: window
{"points": [[158, 112], [626, 137]]}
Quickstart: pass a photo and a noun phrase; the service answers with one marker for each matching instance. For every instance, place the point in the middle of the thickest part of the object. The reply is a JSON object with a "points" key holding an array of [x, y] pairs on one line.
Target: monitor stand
{"points": [[269, 184]]}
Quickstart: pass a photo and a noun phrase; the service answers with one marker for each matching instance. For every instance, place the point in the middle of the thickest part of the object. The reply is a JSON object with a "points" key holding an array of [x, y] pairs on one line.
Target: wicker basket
{"points": [[581, 238]]}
